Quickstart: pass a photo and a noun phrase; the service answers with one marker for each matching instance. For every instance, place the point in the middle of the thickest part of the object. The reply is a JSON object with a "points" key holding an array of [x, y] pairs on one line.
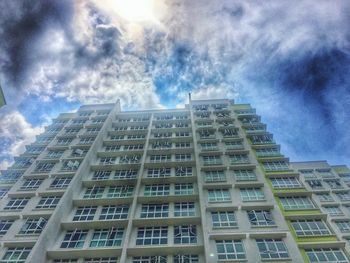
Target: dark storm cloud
{"points": [[21, 24]]}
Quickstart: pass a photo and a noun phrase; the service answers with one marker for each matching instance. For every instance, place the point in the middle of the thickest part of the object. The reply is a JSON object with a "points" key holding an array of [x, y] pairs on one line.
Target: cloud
{"points": [[15, 133]]}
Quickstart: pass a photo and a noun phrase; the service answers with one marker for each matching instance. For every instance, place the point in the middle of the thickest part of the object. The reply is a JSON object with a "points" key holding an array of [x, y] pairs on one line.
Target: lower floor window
{"points": [[272, 248], [230, 249], [186, 259], [150, 259], [326, 255], [16, 255], [107, 237], [100, 260]]}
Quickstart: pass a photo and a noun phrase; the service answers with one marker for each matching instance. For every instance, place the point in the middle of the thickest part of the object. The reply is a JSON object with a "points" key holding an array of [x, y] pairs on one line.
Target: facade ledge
{"points": [[165, 249], [85, 252], [231, 235], [166, 221], [326, 244], [268, 235], [102, 201], [93, 224]]}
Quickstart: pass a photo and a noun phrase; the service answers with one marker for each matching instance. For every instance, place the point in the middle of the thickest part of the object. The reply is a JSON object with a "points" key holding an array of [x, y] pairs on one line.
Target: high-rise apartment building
{"points": [[202, 184]]}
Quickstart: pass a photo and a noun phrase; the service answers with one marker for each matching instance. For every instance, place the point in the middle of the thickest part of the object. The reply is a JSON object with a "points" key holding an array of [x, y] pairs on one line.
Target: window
{"points": [[85, 213], [183, 157], [110, 212], [229, 132], [157, 190], [93, 130], [212, 160], [215, 176], [31, 184], [44, 167], [315, 184], [112, 148], [160, 158], [154, 210], [60, 182], [10, 176], [94, 192], [72, 130], [3, 192], [261, 139], [184, 189], [48, 202], [185, 234], [87, 140], [157, 235], [54, 154], [33, 226], [16, 203], [325, 197], [223, 219], [206, 134], [65, 261], [150, 259], [16, 255], [107, 160], [260, 218], [239, 158], [182, 145], [125, 174], [230, 249], [107, 237], [184, 209], [133, 147], [267, 152], [297, 203], [234, 145], [252, 194], [64, 141], [285, 182], [159, 172], [275, 166], [326, 255], [77, 152], [344, 196], [101, 175], [209, 146], [4, 226], [219, 195], [272, 249], [245, 175], [186, 259], [120, 191], [334, 210], [161, 145], [74, 238], [310, 227], [183, 171], [344, 226], [130, 159], [100, 260], [70, 165], [334, 184], [117, 137], [182, 134]]}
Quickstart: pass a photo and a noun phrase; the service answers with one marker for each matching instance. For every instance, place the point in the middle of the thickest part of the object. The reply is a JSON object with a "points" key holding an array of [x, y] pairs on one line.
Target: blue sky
{"points": [[290, 61]]}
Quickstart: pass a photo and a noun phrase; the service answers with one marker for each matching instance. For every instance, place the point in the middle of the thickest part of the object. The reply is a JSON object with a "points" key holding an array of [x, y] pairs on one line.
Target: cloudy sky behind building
{"points": [[291, 61]]}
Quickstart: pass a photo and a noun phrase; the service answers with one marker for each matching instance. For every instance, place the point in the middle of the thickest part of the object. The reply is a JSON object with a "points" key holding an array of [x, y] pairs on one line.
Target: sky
{"points": [[290, 61]]}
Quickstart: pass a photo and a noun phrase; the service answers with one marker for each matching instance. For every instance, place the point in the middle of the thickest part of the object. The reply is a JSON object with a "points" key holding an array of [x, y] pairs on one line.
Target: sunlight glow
{"points": [[135, 10]]}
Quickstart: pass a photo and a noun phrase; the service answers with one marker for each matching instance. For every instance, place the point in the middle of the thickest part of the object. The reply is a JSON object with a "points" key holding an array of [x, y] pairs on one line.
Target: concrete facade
{"points": [[206, 183]]}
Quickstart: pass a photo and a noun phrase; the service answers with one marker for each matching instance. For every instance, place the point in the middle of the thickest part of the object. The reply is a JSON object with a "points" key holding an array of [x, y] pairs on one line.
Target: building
{"points": [[2, 97], [206, 183]]}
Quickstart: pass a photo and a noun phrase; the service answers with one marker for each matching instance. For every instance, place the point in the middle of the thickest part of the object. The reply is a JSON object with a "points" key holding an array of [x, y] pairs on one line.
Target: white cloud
{"points": [[15, 133]]}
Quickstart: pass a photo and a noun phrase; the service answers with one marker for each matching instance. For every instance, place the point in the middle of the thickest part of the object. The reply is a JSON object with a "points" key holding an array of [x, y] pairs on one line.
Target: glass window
{"points": [[260, 218], [315, 184], [344, 225], [16, 203], [230, 249], [183, 171], [333, 210], [31, 184], [160, 158], [74, 238], [238, 158], [120, 191], [185, 234], [276, 166], [33, 226], [215, 176], [70, 165], [94, 192], [16, 255], [325, 197], [48, 202], [125, 174], [252, 194], [101, 260], [107, 237], [110, 212], [101, 175], [212, 160], [285, 182], [223, 219], [159, 172], [297, 203], [310, 227], [107, 160], [44, 167], [152, 236], [85, 213], [154, 210], [245, 175], [157, 190], [344, 196], [150, 259], [184, 209], [186, 259], [272, 249], [219, 195], [4, 226], [184, 189], [60, 182], [326, 255]]}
